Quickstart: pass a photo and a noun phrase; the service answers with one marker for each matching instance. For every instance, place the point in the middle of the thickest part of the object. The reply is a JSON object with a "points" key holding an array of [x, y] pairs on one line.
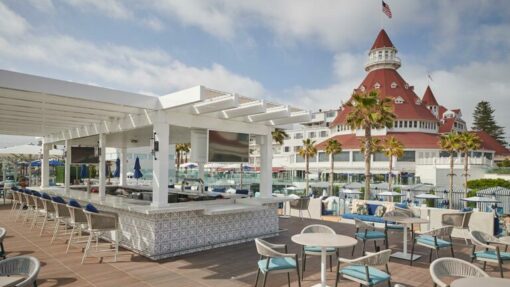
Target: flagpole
{"points": [[381, 17]]}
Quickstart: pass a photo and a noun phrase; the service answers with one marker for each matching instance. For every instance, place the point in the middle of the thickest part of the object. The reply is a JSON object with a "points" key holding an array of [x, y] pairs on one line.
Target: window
{"points": [[409, 156], [323, 157], [311, 135], [324, 134], [477, 154], [488, 155], [415, 124], [393, 85], [302, 159], [379, 55], [330, 114], [298, 136], [380, 156], [343, 156], [405, 124], [286, 149], [399, 100], [297, 148], [357, 156], [386, 54], [377, 85]]}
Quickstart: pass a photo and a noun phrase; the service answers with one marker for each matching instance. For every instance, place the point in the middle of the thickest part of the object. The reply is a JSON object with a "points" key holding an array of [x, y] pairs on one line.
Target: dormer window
{"points": [[399, 100], [393, 85], [362, 88], [418, 101], [406, 86], [377, 85]]}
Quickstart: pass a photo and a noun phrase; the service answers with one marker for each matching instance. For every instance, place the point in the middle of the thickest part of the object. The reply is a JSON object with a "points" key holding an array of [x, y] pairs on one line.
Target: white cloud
{"points": [[11, 23], [112, 8], [45, 6]]}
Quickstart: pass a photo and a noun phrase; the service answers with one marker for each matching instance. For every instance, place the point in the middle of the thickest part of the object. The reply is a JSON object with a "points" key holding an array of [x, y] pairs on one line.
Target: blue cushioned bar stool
{"points": [[433, 239], [364, 269], [78, 222], [314, 250], [491, 253], [48, 210], [272, 261], [98, 223], [62, 217], [367, 232]]}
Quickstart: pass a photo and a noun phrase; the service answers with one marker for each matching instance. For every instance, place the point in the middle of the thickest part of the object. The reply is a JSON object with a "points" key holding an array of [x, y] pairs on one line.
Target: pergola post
{"points": [[102, 166], [67, 166], [161, 131], [4, 170], [123, 167], [266, 165], [45, 166]]}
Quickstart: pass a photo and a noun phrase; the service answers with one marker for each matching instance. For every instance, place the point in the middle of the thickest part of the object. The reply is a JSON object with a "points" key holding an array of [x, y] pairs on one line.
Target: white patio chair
{"points": [[491, 253], [434, 240], [314, 250], [272, 261], [367, 232], [363, 270], [98, 223], [21, 265], [453, 267]]}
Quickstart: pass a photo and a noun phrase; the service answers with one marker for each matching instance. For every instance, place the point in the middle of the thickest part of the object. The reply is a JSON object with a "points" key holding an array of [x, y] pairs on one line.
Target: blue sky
{"points": [[302, 52]]}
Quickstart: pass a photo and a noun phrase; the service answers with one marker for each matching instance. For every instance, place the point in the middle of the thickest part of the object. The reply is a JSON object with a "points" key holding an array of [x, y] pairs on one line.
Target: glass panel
{"points": [[357, 156], [323, 157], [380, 156], [409, 156], [343, 156]]}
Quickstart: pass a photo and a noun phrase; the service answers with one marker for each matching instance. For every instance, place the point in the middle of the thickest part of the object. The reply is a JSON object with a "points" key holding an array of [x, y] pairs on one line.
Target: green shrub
{"points": [[487, 182]]}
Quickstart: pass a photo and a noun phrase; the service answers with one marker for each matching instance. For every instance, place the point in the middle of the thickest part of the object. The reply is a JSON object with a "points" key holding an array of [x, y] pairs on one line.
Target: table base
{"points": [[405, 256], [320, 285], [284, 216]]}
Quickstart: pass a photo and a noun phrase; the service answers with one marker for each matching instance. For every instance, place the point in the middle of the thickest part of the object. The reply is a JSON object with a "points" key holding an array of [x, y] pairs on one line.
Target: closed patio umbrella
{"points": [[138, 174], [84, 171], [117, 168]]}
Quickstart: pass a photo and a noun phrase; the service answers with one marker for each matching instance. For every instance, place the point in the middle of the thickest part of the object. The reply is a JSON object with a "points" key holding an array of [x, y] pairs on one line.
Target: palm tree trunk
{"points": [[368, 152], [331, 174], [466, 168], [389, 175], [306, 174], [450, 197], [178, 165], [241, 177]]}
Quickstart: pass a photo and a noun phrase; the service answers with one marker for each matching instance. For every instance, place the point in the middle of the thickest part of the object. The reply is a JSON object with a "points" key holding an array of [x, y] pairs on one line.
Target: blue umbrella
{"points": [[53, 162], [84, 171], [117, 168], [138, 173]]}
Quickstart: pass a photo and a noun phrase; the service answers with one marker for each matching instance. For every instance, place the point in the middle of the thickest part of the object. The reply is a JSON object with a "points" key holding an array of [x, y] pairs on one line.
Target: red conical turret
{"points": [[382, 41]]}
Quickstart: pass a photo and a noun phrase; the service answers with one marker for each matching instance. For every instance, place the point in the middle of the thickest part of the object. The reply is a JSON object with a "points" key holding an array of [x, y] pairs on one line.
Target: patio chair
{"points": [[314, 250], [453, 267], [22, 204], [3, 232], [78, 222], [272, 261], [433, 239], [98, 223], [49, 211], [398, 212], [15, 202], [26, 266], [491, 253], [62, 217], [363, 270], [458, 220], [39, 213], [30, 204], [300, 204], [367, 232]]}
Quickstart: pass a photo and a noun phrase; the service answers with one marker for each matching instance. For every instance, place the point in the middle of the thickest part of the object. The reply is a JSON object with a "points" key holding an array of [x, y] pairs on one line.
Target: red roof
{"points": [[442, 110], [382, 41], [447, 125], [490, 143], [409, 140], [428, 98], [386, 77]]}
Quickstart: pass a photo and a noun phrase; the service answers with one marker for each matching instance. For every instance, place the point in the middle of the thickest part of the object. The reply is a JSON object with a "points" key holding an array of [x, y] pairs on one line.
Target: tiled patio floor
{"points": [[229, 266]]}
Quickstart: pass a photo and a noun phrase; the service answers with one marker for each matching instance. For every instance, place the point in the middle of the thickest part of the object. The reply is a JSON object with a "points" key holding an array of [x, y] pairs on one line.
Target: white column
{"points": [[45, 165], [160, 164], [266, 165], [201, 166], [67, 167], [102, 166], [123, 167], [4, 169]]}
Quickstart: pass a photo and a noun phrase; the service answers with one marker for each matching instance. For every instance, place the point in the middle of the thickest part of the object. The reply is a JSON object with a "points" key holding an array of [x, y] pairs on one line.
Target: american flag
{"points": [[386, 9]]}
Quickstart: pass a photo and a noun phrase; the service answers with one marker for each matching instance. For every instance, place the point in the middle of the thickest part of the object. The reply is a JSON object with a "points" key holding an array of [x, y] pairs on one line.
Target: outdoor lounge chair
{"points": [[367, 232], [453, 267], [491, 253], [363, 270], [314, 250], [272, 261], [433, 240], [21, 265]]}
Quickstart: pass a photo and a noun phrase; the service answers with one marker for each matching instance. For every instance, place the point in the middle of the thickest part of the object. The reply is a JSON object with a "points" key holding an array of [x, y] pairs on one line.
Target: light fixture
{"points": [[97, 150], [155, 145]]}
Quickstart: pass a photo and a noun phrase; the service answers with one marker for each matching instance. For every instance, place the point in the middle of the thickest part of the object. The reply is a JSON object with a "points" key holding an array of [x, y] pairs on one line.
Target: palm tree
{"points": [[392, 148], [306, 151], [181, 150], [468, 142], [279, 135], [451, 144], [332, 147], [367, 112]]}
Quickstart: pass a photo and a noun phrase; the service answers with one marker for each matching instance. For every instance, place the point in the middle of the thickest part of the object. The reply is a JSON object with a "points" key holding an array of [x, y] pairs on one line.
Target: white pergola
{"points": [[76, 114]]}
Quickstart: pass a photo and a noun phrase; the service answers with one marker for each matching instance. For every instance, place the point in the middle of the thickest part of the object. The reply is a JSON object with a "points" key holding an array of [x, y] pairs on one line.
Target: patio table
{"points": [[12, 280], [481, 281], [406, 222], [324, 240]]}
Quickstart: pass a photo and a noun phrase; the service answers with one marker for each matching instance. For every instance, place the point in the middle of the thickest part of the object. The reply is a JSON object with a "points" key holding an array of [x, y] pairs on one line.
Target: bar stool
{"points": [[22, 203], [49, 210], [62, 216], [39, 212], [78, 221], [30, 203], [99, 222], [15, 201]]}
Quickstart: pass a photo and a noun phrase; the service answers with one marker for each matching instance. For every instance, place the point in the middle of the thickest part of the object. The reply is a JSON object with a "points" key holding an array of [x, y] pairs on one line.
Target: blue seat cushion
{"points": [[491, 254], [371, 208], [395, 227], [376, 276], [429, 240], [402, 205], [278, 263], [242, 191], [369, 218], [36, 193], [58, 199], [372, 234], [318, 249], [74, 203], [221, 190], [46, 196], [91, 208]]}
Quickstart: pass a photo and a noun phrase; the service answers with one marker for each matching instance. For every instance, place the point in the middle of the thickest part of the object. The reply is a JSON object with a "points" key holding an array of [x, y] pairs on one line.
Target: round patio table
{"points": [[324, 240], [406, 222], [481, 281]]}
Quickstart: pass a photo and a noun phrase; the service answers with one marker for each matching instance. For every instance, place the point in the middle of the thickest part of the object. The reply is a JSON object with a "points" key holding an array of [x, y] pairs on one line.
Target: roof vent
{"points": [[399, 100], [393, 85], [377, 85], [406, 86]]}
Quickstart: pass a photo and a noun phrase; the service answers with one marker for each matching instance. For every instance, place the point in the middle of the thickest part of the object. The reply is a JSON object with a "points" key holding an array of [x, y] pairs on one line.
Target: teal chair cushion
{"points": [[358, 271], [429, 241], [370, 235], [395, 227], [278, 263], [491, 254], [318, 249]]}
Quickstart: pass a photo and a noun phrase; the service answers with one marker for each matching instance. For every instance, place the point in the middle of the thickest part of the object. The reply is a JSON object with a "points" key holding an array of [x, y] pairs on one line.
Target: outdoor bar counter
{"points": [[186, 227]]}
